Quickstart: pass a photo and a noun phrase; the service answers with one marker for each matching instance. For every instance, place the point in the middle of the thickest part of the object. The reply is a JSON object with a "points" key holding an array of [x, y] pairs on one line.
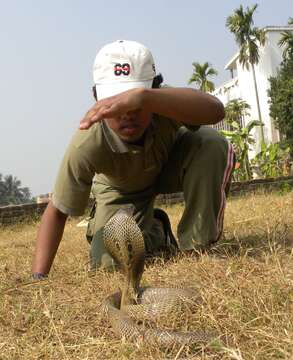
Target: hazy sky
{"points": [[47, 53]]}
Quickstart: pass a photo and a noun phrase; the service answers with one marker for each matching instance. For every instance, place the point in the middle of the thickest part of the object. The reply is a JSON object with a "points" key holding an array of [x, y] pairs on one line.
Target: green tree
{"points": [[11, 191], [240, 136], [200, 75], [2, 190], [287, 40], [281, 99], [236, 110], [272, 160], [248, 37]]}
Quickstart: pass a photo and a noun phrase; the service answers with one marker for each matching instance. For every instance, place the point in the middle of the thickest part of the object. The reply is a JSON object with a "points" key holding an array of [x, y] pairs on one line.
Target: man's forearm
{"points": [[48, 239], [189, 106]]}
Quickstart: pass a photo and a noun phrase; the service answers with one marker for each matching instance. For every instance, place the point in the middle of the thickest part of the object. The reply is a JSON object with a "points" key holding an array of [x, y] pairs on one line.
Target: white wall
{"points": [[242, 85]]}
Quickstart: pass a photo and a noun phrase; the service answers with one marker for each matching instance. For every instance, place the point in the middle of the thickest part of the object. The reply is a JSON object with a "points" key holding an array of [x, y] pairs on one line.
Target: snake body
{"points": [[128, 310]]}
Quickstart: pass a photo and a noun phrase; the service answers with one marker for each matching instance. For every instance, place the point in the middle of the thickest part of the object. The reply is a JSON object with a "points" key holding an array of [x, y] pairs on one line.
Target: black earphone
{"points": [[158, 79], [94, 90]]}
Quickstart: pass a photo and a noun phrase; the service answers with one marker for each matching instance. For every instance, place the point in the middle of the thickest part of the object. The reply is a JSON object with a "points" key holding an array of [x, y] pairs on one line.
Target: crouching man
{"points": [[139, 140]]}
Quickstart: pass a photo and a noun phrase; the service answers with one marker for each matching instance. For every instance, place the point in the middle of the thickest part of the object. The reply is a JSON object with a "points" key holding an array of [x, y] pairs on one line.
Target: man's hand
{"points": [[114, 106], [188, 106], [48, 239]]}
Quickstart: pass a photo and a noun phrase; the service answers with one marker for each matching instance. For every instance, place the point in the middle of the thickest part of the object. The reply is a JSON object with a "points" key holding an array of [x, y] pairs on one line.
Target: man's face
{"points": [[131, 126]]}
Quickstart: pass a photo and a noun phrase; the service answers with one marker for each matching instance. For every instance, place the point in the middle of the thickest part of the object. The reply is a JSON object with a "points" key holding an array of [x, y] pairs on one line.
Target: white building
{"points": [[241, 84]]}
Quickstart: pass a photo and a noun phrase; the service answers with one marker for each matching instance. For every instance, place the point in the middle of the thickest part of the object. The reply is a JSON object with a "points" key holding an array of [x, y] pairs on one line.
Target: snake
{"points": [[131, 309]]}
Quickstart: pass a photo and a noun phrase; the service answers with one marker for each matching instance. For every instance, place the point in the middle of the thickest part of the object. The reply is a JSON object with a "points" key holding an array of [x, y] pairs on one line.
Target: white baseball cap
{"points": [[122, 65]]}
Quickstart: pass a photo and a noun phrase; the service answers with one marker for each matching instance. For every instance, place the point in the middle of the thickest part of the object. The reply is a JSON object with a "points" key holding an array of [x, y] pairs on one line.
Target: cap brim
{"points": [[107, 90]]}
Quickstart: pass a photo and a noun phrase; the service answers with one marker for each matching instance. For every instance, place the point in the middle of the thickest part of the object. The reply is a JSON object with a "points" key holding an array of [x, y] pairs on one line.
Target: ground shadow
{"points": [[254, 245]]}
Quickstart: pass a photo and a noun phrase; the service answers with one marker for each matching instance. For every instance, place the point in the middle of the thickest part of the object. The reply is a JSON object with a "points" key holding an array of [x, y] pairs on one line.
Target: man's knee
{"points": [[213, 141], [99, 256]]}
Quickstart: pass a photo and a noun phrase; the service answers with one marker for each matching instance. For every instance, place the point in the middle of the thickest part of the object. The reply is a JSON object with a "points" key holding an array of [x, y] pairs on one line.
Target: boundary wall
{"points": [[13, 214]]}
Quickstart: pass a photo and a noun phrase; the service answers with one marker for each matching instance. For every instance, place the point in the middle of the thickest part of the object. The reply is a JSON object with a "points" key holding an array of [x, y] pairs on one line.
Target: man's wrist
{"points": [[147, 98]]}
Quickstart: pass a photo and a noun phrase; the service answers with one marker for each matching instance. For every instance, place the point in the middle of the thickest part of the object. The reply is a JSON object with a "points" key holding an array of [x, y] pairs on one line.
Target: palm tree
{"points": [[200, 76], [248, 38], [287, 40], [11, 191], [236, 110]]}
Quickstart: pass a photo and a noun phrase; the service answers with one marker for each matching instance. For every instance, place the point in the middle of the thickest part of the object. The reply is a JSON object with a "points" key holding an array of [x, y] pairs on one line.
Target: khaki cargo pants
{"points": [[200, 164]]}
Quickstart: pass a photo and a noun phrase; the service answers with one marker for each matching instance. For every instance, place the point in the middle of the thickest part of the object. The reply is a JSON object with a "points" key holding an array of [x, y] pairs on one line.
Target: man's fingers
{"points": [[83, 125], [110, 107], [94, 115], [113, 110]]}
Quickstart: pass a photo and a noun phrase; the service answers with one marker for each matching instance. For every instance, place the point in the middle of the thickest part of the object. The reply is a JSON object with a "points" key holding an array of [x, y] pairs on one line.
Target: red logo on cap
{"points": [[122, 69]]}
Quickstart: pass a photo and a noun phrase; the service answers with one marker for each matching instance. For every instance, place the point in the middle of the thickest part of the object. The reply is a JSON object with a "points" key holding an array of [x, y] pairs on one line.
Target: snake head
{"points": [[127, 210]]}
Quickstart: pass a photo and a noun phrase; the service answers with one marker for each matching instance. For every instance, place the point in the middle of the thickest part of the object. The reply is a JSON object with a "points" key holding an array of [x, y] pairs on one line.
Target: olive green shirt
{"points": [[124, 167]]}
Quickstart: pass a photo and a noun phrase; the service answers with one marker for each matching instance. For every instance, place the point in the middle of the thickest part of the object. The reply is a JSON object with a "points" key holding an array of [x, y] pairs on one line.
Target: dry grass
{"points": [[246, 283]]}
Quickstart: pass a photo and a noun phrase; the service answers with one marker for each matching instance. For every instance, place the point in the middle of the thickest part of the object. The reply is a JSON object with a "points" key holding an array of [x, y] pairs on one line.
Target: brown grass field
{"points": [[246, 283]]}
